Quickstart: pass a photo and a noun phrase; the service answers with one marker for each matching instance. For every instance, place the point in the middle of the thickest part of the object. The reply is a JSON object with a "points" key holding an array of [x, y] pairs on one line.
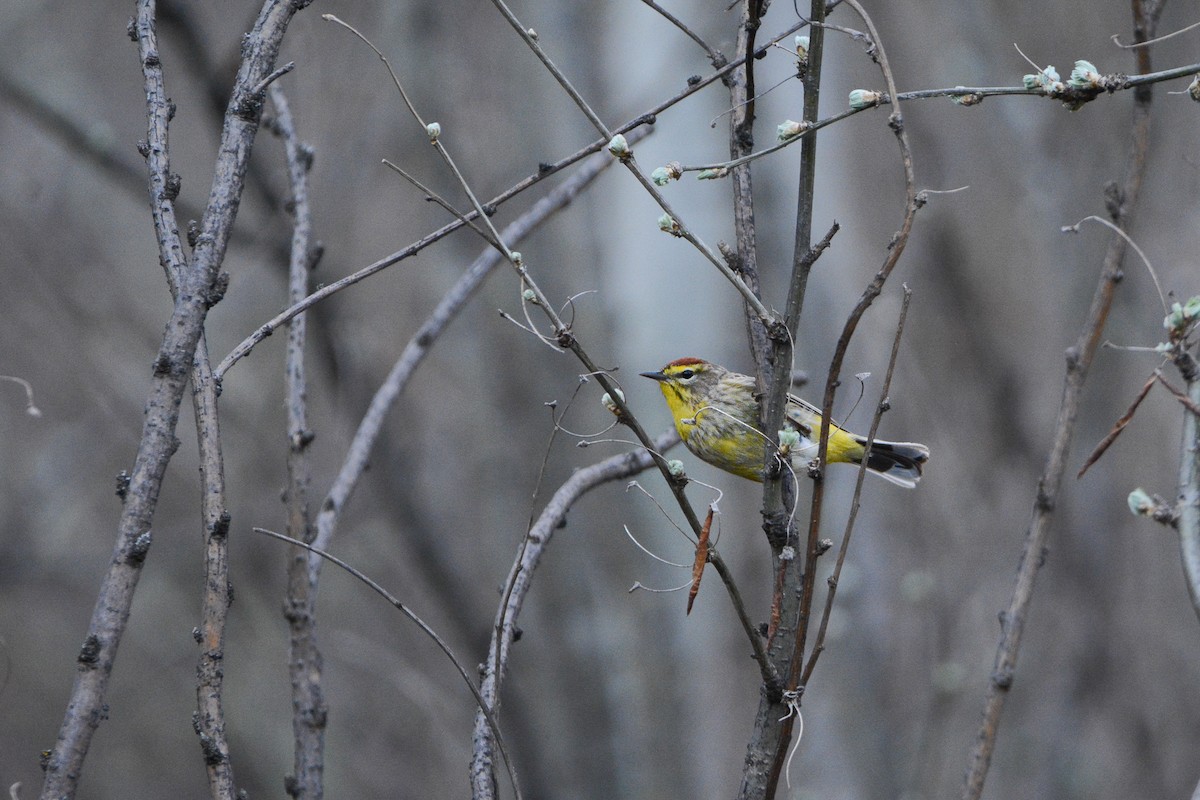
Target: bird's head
{"points": [[685, 381]]}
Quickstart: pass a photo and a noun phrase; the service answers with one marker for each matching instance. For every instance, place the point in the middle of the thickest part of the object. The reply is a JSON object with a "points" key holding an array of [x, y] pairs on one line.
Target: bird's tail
{"points": [[898, 462]]}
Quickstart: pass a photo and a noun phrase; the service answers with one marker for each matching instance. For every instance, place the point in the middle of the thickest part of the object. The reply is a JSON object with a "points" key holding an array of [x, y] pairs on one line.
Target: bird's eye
{"points": [[687, 373]]}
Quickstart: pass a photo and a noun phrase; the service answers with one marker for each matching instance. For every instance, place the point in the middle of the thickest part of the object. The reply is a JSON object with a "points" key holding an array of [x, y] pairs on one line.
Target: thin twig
{"points": [[819, 643], [632, 129], [1162, 298], [495, 239], [713, 54], [685, 231], [1101, 448], [30, 409], [1116, 38], [430, 194], [519, 581], [1079, 359], [974, 93], [427, 335], [483, 706], [1183, 397]]}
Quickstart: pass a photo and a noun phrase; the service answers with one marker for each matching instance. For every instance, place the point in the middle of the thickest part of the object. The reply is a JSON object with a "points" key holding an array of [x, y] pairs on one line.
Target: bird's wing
{"points": [[804, 415]]}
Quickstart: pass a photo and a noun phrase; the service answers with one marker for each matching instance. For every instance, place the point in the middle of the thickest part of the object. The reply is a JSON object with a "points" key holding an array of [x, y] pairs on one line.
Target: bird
{"points": [[716, 414]]}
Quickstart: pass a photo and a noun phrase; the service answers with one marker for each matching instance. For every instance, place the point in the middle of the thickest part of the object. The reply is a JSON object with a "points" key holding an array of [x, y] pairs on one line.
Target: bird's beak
{"points": [[654, 376]]}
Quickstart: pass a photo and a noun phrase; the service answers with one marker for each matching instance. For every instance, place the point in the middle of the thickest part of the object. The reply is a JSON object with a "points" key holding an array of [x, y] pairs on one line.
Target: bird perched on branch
{"points": [[716, 414]]}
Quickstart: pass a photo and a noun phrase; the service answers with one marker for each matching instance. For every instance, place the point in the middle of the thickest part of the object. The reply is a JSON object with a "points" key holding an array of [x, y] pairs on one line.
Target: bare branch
{"points": [[1079, 359], [881, 406], [309, 711], [520, 580], [196, 282], [1189, 494], [484, 707], [217, 596], [415, 351], [1119, 426]]}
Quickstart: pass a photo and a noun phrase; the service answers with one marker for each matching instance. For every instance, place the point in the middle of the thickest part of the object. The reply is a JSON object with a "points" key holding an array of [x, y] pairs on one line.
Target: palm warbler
{"points": [[716, 414]]}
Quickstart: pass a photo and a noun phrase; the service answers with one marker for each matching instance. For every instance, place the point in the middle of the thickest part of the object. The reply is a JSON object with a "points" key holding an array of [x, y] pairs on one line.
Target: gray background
{"points": [[611, 694]]}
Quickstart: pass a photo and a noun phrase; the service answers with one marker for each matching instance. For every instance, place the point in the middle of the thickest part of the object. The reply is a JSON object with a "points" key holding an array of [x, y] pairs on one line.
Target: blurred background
{"points": [[611, 693]]}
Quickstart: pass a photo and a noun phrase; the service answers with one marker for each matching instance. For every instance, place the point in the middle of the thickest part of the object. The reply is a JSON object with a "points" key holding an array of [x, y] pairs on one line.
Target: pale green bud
{"points": [[789, 129], [864, 98], [1140, 503], [675, 467], [433, 130], [608, 402], [1046, 80], [618, 146], [1175, 320], [1084, 76]]}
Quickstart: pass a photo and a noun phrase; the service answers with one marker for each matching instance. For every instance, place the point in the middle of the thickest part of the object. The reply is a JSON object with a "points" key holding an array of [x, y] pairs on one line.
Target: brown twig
{"points": [[1101, 448], [1079, 359], [702, 551], [819, 643], [873, 290], [1182, 396]]}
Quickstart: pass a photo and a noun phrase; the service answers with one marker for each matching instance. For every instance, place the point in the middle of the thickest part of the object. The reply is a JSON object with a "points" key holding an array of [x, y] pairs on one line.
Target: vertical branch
{"points": [[1189, 484], [197, 291], [777, 523], [741, 142], [304, 655], [772, 724], [873, 290], [1122, 202], [210, 671]]}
